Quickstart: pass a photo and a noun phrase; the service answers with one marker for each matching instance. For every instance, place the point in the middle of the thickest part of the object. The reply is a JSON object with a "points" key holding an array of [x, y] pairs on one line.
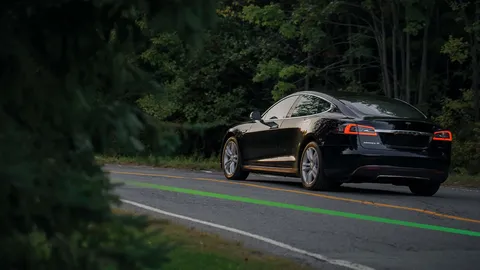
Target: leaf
{"points": [[290, 71], [282, 89], [456, 49], [267, 70], [288, 30]]}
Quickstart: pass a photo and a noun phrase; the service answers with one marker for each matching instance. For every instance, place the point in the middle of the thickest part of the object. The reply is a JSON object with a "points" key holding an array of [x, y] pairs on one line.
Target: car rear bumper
{"points": [[395, 174], [386, 167]]}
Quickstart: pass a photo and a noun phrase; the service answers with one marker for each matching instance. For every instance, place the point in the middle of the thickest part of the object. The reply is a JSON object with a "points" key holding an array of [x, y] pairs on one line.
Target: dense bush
{"points": [[67, 81], [174, 139], [457, 115]]}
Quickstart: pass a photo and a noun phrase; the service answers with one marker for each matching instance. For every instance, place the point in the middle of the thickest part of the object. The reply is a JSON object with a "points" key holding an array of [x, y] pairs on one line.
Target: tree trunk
{"points": [[423, 69], [402, 56], [383, 40], [307, 76], [350, 56], [475, 63], [407, 70], [475, 89], [394, 49], [380, 38]]}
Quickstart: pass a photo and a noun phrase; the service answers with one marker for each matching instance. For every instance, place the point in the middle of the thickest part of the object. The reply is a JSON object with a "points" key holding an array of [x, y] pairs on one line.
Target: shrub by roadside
{"points": [[463, 180]]}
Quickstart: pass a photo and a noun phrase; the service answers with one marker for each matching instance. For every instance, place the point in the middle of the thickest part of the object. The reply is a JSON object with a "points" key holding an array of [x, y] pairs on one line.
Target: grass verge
{"points": [[193, 249], [191, 163], [463, 180]]}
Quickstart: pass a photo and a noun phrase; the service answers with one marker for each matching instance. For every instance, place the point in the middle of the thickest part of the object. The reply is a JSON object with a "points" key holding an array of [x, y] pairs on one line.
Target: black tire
{"points": [[424, 188], [237, 173], [320, 181]]}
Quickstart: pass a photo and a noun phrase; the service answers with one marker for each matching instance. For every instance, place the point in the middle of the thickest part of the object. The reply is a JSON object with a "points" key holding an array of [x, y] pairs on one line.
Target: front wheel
{"points": [[232, 161], [311, 169], [424, 188]]}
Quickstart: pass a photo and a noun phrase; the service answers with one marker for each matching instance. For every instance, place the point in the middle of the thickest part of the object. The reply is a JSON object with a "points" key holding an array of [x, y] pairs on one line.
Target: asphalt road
{"points": [[376, 226]]}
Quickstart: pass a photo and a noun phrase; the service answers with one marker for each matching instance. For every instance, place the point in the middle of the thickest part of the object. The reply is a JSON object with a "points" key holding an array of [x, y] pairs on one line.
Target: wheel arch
{"points": [[227, 135], [237, 132], [306, 140]]}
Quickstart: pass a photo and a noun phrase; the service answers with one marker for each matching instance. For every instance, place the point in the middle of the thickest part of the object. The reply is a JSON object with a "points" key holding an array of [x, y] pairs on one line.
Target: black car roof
{"points": [[343, 94], [336, 97]]}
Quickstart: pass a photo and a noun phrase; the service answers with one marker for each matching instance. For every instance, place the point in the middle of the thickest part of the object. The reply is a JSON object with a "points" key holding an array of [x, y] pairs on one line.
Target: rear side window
{"points": [[382, 106], [309, 105]]}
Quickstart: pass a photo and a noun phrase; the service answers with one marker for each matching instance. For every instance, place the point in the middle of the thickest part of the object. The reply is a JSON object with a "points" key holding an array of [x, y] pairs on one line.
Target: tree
{"points": [[218, 77], [68, 77], [468, 16]]}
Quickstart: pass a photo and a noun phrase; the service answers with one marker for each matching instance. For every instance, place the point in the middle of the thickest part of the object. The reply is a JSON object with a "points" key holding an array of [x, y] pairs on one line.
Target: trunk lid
{"points": [[398, 133]]}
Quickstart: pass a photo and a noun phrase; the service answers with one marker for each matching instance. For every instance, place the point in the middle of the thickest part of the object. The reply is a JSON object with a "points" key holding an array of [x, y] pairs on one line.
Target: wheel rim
{"points": [[230, 158], [310, 165]]}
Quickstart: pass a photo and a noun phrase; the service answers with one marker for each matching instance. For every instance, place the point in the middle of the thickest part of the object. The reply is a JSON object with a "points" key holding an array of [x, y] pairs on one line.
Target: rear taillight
{"points": [[354, 129], [443, 135]]}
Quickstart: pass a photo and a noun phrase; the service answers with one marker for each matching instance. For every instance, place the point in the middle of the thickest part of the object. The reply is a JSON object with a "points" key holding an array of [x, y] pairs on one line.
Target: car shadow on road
{"points": [[341, 189]]}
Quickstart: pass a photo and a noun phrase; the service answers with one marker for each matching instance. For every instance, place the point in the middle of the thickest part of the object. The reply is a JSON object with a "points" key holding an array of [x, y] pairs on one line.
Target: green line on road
{"points": [[303, 208]]}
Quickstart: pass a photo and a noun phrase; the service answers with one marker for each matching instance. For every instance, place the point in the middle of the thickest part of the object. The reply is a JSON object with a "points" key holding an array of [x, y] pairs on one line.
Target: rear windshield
{"points": [[381, 106]]}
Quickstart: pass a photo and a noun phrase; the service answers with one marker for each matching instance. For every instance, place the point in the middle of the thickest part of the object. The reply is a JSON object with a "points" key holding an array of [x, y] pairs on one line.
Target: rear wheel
{"points": [[232, 161], [424, 188], [311, 169]]}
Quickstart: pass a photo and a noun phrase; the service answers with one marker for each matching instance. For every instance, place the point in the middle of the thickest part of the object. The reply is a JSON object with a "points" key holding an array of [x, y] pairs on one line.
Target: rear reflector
{"points": [[354, 129], [443, 135]]}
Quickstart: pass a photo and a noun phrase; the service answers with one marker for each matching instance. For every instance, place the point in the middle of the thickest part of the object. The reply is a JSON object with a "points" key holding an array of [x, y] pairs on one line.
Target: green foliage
{"points": [[282, 89], [270, 15], [207, 85], [457, 115], [269, 70], [262, 51], [456, 49], [69, 84], [200, 139], [290, 71]]}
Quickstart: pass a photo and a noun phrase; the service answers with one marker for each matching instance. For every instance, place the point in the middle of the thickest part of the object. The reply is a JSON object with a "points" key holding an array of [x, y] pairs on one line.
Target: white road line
{"points": [[320, 257]]}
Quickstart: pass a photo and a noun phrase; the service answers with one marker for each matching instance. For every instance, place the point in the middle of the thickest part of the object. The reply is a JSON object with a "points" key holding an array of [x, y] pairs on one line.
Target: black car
{"points": [[330, 138]]}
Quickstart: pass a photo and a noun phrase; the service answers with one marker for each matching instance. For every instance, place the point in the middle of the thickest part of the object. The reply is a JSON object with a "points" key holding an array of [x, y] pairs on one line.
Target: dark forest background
{"points": [[425, 52]]}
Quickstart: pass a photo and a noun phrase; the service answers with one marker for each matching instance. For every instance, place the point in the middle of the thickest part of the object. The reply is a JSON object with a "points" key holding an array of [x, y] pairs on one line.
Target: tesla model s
{"points": [[330, 138]]}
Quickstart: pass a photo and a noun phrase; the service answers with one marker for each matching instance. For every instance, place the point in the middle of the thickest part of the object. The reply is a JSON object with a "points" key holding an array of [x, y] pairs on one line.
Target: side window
{"points": [[309, 105], [281, 109]]}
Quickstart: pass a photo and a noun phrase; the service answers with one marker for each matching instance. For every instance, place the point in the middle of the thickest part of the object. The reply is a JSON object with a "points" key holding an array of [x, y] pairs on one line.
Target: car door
{"points": [[296, 125], [260, 142]]}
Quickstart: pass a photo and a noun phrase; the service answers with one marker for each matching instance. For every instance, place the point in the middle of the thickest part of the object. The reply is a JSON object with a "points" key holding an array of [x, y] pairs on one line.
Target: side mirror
{"points": [[255, 115]]}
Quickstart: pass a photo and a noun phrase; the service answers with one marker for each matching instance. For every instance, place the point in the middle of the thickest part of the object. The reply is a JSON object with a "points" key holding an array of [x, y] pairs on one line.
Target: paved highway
{"points": [[358, 227]]}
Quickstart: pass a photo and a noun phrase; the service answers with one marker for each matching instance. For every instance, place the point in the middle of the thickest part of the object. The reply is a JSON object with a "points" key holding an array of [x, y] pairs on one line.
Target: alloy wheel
{"points": [[230, 158], [310, 165]]}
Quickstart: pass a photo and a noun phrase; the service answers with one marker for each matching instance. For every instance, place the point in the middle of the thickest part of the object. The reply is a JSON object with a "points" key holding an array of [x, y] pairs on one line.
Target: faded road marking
{"points": [[423, 211], [304, 208], [320, 257]]}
